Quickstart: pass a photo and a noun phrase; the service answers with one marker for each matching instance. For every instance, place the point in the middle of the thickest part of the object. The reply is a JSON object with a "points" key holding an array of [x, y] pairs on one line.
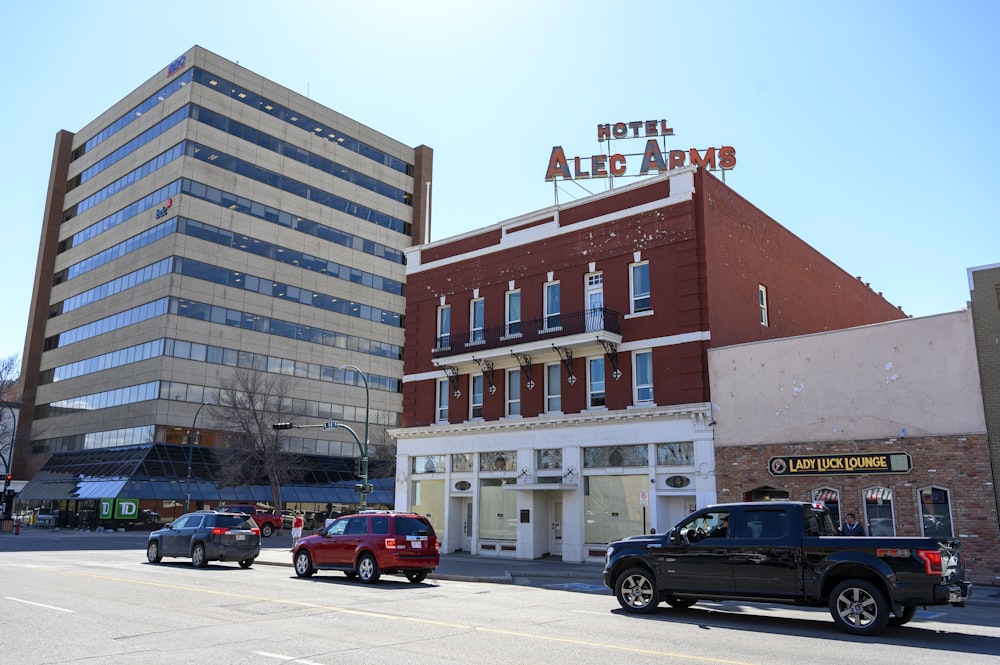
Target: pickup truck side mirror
{"points": [[675, 537]]}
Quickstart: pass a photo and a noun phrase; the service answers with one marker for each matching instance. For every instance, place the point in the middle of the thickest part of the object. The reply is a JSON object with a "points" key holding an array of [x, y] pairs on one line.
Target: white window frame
{"points": [[443, 395], [635, 296], [592, 394], [553, 388], [477, 329], [762, 302], [512, 327], [513, 406], [476, 385], [443, 339], [552, 318], [641, 390]]}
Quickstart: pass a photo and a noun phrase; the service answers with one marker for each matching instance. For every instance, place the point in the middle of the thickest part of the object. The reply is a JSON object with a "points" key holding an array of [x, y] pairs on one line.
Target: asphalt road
{"points": [[81, 604]]}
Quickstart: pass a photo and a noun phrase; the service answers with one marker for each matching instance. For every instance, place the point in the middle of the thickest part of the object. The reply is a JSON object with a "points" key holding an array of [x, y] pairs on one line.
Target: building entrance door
{"points": [[467, 527], [595, 302], [555, 526]]}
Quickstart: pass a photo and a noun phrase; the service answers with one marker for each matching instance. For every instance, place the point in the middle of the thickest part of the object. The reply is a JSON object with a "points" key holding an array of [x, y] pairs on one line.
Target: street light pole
{"points": [[192, 440], [364, 448]]}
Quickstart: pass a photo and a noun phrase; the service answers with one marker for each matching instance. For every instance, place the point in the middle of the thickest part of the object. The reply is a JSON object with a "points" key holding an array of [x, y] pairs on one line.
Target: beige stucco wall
{"points": [[915, 377]]}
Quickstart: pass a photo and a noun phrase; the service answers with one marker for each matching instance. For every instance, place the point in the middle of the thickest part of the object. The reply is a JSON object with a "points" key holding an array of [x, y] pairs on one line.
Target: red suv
{"points": [[370, 543]]}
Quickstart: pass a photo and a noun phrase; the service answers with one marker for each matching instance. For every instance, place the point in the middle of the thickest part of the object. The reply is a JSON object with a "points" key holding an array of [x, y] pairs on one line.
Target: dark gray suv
{"points": [[207, 535]]}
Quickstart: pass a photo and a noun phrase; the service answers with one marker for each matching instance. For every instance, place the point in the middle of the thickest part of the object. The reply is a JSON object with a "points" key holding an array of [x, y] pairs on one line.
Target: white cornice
{"points": [[700, 412]]}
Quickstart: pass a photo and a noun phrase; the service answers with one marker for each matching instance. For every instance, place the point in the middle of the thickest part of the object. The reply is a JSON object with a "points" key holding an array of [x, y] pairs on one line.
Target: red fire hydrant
{"points": [[17, 527]]}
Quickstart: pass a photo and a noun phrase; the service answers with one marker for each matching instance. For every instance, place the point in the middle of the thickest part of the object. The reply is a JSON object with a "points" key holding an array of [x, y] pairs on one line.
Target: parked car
{"points": [[207, 535], [268, 522], [786, 552], [369, 544]]}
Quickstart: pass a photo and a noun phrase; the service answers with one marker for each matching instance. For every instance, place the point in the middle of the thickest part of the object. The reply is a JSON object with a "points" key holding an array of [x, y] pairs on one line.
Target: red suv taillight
{"points": [[390, 543], [932, 561]]}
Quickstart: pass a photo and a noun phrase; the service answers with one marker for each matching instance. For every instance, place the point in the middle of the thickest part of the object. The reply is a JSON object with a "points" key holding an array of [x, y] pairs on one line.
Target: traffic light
{"points": [[357, 467], [282, 426], [6, 482], [364, 489]]}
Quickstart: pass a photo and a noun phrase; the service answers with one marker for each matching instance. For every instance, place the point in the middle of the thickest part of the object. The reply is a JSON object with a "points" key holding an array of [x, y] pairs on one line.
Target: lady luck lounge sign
{"points": [[830, 465]]}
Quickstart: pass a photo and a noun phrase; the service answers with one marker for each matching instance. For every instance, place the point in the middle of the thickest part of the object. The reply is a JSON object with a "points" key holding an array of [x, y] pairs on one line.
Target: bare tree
{"points": [[381, 453], [249, 404], [10, 369]]}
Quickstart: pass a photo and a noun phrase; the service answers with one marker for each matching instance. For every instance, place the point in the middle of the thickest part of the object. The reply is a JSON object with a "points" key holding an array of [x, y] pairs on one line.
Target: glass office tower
{"points": [[213, 220]]}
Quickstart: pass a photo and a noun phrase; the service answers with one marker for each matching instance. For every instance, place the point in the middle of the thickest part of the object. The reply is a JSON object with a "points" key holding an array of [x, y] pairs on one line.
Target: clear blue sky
{"points": [[866, 128]]}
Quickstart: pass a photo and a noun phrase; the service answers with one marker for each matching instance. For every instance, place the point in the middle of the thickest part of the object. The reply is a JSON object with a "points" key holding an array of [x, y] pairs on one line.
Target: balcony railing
{"points": [[525, 332]]}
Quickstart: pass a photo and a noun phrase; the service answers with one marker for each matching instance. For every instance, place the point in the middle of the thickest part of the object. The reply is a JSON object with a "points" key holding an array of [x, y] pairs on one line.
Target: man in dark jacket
{"points": [[851, 527]]}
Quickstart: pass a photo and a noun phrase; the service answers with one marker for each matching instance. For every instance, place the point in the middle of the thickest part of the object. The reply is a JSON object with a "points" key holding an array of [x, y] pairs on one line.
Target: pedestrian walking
{"points": [[297, 524]]}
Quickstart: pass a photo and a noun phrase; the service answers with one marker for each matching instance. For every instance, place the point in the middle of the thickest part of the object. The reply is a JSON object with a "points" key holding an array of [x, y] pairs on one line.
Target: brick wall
{"points": [[959, 464]]}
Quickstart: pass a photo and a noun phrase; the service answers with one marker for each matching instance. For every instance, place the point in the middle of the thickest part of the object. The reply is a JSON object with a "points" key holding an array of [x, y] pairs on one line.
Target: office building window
{"points": [[642, 373], [553, 393], [595, 382], [444, 327], [762, 297], [513, 392], [476, 400], [552, 305], [639, 284], [513, 327], [477, 321]]}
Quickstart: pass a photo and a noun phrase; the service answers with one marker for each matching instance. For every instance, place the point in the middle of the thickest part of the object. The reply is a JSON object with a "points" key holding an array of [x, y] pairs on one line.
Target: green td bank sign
{"points": [[118, 509]]}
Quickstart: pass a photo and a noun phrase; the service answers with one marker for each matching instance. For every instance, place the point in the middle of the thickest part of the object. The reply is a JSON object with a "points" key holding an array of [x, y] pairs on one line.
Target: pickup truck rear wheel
{"points": [[636, 591], [909, 611], [859, 607], [266, 530]]}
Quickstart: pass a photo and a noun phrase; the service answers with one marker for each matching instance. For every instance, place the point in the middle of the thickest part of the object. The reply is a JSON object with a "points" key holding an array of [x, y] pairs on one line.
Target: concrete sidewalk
{"points": [[276, 551]]}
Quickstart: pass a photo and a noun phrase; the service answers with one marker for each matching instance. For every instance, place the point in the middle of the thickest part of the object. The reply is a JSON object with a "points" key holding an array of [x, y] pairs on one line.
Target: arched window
{"points": [[831, 498], [878, 512], [935, 512]]}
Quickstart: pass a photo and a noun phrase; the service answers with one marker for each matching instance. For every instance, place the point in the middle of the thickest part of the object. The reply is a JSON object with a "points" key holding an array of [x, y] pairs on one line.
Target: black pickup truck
{"points": [[786, 552]]}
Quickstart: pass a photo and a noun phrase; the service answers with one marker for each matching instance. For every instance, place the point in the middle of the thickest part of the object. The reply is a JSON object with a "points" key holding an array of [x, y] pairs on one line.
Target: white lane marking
{"points": [[48, 607], [287, 659]]}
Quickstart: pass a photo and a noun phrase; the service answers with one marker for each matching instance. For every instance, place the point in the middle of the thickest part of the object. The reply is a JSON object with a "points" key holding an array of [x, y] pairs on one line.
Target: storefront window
{"points": [[831, 498], [497, 511], [935, 512], [461, 462], [550, 458], [878, 512], [427, 499], [614, 456], [680, 453], [504, 460], [611, 507], [429, 464]]}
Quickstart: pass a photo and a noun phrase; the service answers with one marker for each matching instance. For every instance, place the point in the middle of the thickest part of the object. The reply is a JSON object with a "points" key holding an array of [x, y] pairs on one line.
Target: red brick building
{"points": [[556, 392]]}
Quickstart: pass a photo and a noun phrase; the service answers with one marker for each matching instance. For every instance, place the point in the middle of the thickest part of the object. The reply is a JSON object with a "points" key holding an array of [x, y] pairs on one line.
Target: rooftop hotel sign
{"points": [[654, 159]]}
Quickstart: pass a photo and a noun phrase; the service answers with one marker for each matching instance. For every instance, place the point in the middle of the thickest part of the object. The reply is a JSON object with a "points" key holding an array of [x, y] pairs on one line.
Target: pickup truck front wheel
{"points": [[679, 603], [266, 530], [859, 607], [636, 591]]}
